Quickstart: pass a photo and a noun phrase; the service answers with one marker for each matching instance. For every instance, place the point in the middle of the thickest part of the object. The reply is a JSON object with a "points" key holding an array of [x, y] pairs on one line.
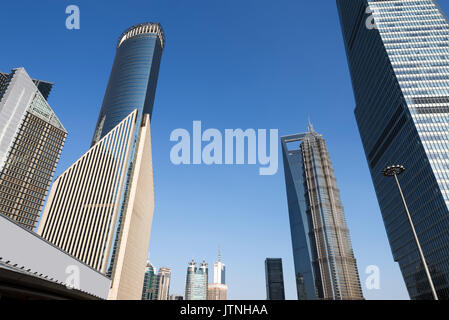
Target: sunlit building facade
{"points": [[85, 198], [398, 55], [217, 291], [162, 284], [31, 140], [44, 87]]}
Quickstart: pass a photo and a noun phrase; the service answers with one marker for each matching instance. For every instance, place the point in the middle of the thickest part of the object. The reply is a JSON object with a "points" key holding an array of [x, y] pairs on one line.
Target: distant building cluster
{"points": [[156, 286]]}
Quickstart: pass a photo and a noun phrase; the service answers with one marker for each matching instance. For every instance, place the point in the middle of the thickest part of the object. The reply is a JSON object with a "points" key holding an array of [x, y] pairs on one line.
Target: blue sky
{"points": [[231, 64]]}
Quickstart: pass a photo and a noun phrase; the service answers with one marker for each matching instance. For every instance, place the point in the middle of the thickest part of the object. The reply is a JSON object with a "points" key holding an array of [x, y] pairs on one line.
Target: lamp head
{"points": [[393, 170]]}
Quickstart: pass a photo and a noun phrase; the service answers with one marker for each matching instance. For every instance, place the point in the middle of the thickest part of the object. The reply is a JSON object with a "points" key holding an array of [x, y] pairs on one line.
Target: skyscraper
{"points": [[117, 195], [274, 277], [162, 285], [219, 270], [149, 282], [133, 80], [196, 281], [324, 261], [398, 55], [31, 140], [218, 290]]}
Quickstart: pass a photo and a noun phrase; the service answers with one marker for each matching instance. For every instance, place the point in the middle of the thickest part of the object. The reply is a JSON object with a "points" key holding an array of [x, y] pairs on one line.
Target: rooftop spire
{"points": [[310, 126]]}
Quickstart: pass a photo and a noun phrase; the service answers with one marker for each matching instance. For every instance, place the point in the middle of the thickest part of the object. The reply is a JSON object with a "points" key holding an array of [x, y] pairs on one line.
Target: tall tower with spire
{"points": [[218, 290], [325, 265], [219, 270], [310, 126]]}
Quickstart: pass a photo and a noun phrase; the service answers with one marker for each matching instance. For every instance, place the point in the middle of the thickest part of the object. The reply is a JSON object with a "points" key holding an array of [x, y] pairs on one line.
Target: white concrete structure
{"points": [[25, 250]]}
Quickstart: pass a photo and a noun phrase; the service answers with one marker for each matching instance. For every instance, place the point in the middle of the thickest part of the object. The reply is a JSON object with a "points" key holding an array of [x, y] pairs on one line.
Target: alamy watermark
{"points": [[189, 149], [370, 22], [73, 277], [73, 20], [372, 282]]}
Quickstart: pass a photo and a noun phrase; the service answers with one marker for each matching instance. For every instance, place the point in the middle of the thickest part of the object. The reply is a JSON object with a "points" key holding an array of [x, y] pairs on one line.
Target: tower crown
{"points": [[143, 28]]}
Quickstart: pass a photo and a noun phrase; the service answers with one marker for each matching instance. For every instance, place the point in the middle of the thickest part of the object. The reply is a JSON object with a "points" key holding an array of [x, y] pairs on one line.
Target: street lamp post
{"points": [[394, 171]]}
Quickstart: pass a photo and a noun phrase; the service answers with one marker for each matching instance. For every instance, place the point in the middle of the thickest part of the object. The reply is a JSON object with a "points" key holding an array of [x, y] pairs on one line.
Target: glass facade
{"points": [[197, 281], [131, 86], [398, 55], [325, 266], [133, 79], [149, 282], [274, 277]]}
